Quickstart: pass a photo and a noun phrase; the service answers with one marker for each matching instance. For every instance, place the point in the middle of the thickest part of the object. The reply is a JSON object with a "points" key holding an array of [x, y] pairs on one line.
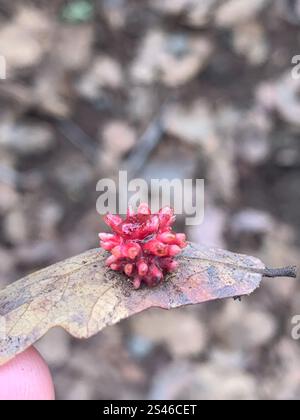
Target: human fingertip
{"points": [[26, 377]]}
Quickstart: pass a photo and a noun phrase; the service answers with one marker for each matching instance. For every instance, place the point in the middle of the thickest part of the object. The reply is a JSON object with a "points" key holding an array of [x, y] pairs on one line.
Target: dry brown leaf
{"points": [[83, 296]]}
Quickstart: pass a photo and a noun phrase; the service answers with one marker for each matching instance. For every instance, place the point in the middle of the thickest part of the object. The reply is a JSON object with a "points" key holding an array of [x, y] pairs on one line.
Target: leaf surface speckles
{"points": [[83, 296]]}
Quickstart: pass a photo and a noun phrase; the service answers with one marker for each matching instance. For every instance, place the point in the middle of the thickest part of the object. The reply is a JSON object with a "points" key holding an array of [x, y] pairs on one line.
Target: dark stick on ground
{"points": [[281, 272], [146, 144], [79, 138]]}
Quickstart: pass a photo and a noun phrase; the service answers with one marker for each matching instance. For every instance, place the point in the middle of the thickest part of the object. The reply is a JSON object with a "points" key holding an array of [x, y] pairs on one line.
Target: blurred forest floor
{"points": [[85, 80]]}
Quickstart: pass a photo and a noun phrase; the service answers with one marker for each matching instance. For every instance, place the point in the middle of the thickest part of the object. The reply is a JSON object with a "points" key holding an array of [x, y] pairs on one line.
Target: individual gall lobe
{"points": [[143, 246]]}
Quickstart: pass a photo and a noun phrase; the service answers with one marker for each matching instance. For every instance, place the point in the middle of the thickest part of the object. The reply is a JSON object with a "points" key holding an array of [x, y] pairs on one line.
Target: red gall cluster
{"points": [[143, 246]]}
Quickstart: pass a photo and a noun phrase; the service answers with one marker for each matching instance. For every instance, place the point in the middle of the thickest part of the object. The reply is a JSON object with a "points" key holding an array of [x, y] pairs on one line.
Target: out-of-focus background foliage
{"points": [[211, 82]]}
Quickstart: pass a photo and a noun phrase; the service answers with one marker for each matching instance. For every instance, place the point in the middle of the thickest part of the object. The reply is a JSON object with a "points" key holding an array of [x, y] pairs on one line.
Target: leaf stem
{"points": [[281, 272]]}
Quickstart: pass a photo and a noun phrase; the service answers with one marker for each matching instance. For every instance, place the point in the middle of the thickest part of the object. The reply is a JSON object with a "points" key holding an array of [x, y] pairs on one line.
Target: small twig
{"points": [[281, 272], [79, 138], [147, 143]]}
